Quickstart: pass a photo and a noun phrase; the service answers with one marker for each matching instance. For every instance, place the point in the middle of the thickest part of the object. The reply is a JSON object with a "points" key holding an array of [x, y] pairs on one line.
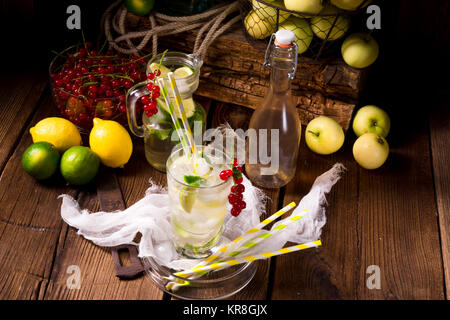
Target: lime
{"points": [[79, 165], [182, 72], [188, 105], [140, 7], [40, 160], [187, 197], [155, 66]]}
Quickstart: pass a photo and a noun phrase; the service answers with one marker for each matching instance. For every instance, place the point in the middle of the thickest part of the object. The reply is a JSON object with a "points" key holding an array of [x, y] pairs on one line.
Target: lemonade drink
{"points": [[197, 199]]}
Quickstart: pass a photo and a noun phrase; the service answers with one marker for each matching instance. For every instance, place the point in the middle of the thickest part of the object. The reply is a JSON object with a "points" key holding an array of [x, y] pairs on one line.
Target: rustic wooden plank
{"points": [[29, 221], [239, 117], [327, 272], [384, 217], [398, 223], [440, 136], [19, 94]]}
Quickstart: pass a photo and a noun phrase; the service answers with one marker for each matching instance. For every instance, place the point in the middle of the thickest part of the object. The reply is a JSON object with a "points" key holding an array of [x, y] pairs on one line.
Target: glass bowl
{"points": [[215, 285], [71, 91]]}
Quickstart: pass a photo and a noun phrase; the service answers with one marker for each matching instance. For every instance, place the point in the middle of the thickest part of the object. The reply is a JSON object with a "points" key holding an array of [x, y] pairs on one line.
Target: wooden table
{"points": [[396, 217]]}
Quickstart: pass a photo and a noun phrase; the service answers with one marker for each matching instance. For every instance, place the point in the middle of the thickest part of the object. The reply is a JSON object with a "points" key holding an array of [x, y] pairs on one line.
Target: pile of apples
{"points": [[371, 125], [359, 50]]}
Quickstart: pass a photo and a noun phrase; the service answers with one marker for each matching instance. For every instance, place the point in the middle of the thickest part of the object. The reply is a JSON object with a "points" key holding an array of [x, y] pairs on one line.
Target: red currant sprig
{"points": [[149, 100], [236, 196]]}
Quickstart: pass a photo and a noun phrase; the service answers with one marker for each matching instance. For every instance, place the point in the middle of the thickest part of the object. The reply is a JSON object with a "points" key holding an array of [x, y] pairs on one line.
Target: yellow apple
{"points": [[321, 25], [370, 150], [371, 119], [324, 135], [269, 13], [257, 27], [359, 50], [302, 31], [349, 4], [307, 6]]}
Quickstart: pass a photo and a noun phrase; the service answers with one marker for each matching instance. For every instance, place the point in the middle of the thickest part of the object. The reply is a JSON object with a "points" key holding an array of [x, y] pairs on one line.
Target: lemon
{"points": [[182, 72], [40, 160], [111, 142], [79, 165], [155, 66], [60, 132]]}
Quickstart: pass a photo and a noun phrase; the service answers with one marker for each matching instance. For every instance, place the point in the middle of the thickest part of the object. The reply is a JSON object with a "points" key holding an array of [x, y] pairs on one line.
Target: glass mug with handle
{"points": [[158, 130]]}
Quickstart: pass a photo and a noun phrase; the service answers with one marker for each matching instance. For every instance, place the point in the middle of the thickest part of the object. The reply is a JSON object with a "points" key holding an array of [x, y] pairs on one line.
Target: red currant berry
{"points": [[149, 86], [238, 197], [235, 211], [232, 198], [151, 76], [239, 188], [238, 180], [155, 89], [115, 83], [241, 205], [145, 99], [122, 108], [127, 84], [158, 72], [235, 162], [109, 69], [59, 82], [224, 175]]}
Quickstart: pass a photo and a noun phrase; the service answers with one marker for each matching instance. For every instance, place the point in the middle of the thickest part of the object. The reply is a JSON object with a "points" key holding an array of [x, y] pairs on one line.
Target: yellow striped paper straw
{"points": [[260, 256], [180, 107], [266, 235], [173, 115], [261, 225], [220, 252]]}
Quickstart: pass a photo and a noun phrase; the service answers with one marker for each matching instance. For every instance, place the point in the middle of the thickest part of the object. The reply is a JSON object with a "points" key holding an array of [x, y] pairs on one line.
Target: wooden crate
{"points": [[233, 72]]}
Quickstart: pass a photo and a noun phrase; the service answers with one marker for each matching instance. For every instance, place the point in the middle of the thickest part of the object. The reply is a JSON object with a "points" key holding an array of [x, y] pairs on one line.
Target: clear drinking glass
{"points": [[158, 129], [197, 207]]}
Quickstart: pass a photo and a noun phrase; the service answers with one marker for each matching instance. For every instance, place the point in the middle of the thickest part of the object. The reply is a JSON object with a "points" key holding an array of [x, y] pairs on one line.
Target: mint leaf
{"points": [[193, 181]]}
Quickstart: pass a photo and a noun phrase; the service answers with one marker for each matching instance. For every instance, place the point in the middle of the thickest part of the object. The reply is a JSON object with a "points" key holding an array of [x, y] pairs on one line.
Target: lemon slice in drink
{"points": [[182, 72], [155, 66], [187, 197]]}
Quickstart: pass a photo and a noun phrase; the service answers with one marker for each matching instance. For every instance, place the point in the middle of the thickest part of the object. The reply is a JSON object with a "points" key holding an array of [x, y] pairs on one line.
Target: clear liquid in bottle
{"points": [[275, 126]]}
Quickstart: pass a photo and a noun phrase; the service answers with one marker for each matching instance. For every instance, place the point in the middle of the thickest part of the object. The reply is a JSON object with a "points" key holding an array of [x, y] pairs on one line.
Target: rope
{"points": [[210, 24]]}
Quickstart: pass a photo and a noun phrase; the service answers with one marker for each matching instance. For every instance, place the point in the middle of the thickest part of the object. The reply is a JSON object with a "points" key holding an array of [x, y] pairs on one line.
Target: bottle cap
{"points": [[284, 38]]}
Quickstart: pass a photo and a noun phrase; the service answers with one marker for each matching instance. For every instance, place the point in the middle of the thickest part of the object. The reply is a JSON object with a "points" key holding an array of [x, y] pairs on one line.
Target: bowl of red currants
{"points": [[88, 84]]}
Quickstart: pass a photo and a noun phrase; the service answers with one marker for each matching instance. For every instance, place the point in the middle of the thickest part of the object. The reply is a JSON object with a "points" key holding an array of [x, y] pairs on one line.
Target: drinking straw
{"points": [[259, 256], [261, 225], [223, 249], [173, 116], [261, 237], [179, 104]]}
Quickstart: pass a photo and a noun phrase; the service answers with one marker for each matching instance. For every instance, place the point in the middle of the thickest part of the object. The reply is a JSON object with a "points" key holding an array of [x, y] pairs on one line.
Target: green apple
{"points": [[321, 25], [349, 4], [307, 6], [269, 13], [324, 135], [302, 31], [359, 50], [257, 27], [370, 150], [371, 119]]}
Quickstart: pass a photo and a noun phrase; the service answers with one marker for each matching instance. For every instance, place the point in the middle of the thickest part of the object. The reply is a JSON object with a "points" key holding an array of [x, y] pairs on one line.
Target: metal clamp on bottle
{"points": [[285, 39]]}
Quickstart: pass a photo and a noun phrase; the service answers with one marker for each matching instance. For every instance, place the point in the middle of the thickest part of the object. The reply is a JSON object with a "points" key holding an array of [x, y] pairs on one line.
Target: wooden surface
{"points": [[395, 217]]}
